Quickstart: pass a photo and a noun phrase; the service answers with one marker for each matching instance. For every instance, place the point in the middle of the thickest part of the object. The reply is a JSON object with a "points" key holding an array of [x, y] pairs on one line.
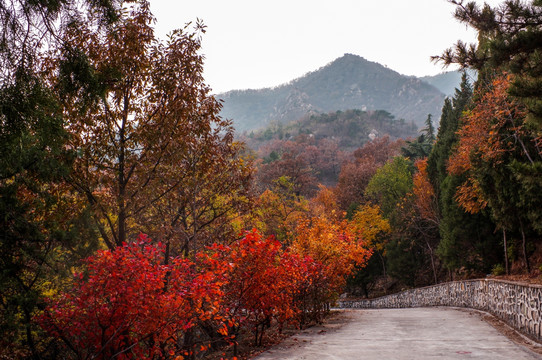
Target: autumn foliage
{"points": [[109, 131], [262, 283], [491, 129], [327, 237], [129, 305], [424, 193]]}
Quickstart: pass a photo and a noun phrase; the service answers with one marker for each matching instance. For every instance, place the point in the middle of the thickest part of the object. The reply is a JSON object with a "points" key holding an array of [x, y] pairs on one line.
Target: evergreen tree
{"points": [[447, 137], [36, 235], [421, 147], [510, 43], [37, 239], [429, 129], [467, 241], [511, 39]]}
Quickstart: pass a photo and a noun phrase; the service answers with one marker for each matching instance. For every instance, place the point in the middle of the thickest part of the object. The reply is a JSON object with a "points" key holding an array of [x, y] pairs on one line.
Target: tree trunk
{"points": [[383, 264], [507, 271], [365, 289], [121, 201], [166, 253], [432, 261], [188, 344], [524, 247], [29, 335]]}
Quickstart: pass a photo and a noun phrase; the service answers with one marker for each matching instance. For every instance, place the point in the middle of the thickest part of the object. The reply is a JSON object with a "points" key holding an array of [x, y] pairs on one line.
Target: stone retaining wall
{"points": [[519, 305]]}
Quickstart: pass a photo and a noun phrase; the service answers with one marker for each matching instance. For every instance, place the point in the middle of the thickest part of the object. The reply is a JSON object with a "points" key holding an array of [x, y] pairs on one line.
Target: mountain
{"points": [[448, 81], [349, 82]]}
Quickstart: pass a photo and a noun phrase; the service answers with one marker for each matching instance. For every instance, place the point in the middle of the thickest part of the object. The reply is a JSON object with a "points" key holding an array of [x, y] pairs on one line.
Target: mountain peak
{"points": [[359, 62], [349, 62], [350, 57]]}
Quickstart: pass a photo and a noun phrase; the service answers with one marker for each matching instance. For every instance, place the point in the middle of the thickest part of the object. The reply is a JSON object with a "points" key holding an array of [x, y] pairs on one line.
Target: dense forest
{"points": [[135, 225]]}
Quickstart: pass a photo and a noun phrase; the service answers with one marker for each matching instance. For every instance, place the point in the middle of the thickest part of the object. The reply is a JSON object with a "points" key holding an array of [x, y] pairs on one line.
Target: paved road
{"points": [[419, 333]]}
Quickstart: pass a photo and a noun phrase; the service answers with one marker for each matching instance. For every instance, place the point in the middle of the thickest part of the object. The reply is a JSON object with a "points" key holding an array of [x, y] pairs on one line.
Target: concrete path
{"points": [[419, 333]]}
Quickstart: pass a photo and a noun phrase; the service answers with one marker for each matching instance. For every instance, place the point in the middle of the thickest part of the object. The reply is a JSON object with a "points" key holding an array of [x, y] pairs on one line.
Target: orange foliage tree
{"points": [[425, 199], [425, 217], [325, 236], [153, 154], [491, 129]]}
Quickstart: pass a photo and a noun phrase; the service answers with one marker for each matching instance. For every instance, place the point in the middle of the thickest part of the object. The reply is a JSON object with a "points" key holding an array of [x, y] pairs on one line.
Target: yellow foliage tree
{"points": [[277, 211], [369, 225]]}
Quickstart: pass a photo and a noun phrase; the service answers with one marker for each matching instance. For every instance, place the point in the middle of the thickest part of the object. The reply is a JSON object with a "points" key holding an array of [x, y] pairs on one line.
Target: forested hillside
{"points": [[350, 129], [350, 82], [317, 145]]}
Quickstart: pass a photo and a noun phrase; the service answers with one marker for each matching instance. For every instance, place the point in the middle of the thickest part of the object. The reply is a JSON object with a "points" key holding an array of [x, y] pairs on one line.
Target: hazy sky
{"points": [[262, 43]]}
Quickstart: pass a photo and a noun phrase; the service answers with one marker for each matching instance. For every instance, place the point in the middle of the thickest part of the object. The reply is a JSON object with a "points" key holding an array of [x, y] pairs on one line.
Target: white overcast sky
{"points": [[263, 43]]}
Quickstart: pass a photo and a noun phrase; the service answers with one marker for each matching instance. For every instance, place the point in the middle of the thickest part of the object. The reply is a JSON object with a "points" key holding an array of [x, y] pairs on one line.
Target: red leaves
{"points": [[130, 305], [129, 301], [260, 283]]}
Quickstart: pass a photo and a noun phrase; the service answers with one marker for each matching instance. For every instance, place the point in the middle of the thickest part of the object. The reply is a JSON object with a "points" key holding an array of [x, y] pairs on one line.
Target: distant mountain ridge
{"points": [[349, 82], [447, 82]]}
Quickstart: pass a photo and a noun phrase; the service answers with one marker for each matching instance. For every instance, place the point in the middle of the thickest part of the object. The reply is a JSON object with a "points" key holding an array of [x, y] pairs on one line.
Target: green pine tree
{"points": [[467, 241], [510, 41]]}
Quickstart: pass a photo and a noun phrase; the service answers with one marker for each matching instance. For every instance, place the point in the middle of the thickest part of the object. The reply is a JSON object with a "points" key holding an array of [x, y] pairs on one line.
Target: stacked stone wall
{"points": [[519, 305]]}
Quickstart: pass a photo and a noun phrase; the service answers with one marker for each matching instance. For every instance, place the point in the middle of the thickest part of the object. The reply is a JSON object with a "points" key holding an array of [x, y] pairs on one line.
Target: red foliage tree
{"points": [[130, 306], [294, 162], [380, 150], [258, 287], [309, 287]]}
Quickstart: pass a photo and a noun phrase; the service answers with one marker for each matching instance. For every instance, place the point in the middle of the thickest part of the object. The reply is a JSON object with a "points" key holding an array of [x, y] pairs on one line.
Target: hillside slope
{"points": [[349, 129]]}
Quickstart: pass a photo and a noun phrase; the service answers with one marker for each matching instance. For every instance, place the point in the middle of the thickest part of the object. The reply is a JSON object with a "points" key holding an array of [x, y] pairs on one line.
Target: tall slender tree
{"points": [[421, 147], [153, 154]]}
